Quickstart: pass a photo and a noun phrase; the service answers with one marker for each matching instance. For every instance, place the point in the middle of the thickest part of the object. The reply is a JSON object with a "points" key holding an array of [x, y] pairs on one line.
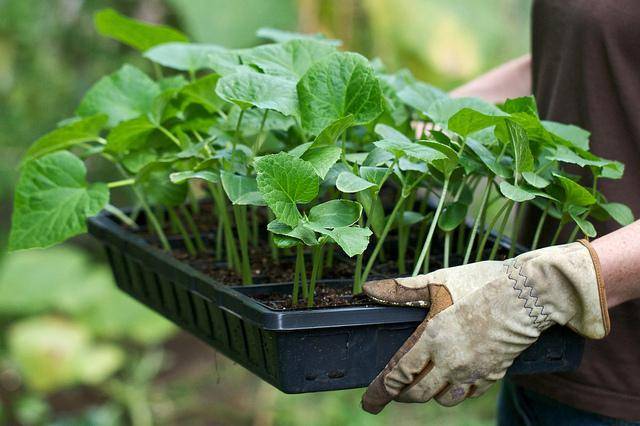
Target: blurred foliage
{"points": [[67, 333]]}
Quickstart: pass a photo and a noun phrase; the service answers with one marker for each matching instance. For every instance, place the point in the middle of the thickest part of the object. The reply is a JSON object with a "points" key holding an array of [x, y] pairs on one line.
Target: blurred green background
{"points": [[73, 350]]}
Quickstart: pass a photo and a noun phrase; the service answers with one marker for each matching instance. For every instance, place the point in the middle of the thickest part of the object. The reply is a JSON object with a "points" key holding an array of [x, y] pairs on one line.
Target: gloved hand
{"points": [[482, 315]]}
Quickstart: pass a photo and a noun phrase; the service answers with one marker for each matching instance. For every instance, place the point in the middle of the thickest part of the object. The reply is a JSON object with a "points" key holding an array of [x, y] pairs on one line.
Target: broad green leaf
{"points": [[349, 183], [285, 182], [450, 161], [413, 150], [339, 85], [241, 190], [488, 158], [300, 232], [574, 193], [526, 104], [192, 56], [377, 157], [467, 121], [134, 161], [176, 82], [441, 110], [129, 135], [281, 36], [77, 132], [618, 212], [388, 132], [156, 185], [181, 177], [53, 201], [289, 60], [322, 158], [252, 119], [332, 132], [373, 208], [585, 226], [567, 155], [123, 95], [521, 151], [405, 164], [410, 218], [535, 180], [394, 106], [335, 213], [248, 88], [137, 34], [420, 96], [515, 193], [613, 170], [373, 174], [452, 216], [569, 134], [352, 239], [202, 92]]}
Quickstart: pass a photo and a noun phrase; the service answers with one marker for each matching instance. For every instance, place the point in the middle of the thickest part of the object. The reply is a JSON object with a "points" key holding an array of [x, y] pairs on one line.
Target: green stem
{"points": [[173, 217], [240, 214], [496, 243], [317, 256], [380, 242], [343, 153], [434, 222], [237, 134], [261, 134], [556, 235], [476, 221], [329, 257], [296, 276], [303, 276], [515, 231], [543, 218], [153, 219], [119, 183], [193, 228], [232, 251], [254, 226], [121, 216], [447, 248], [219, 238], [171, 136], [158, 71], [488, 229]]}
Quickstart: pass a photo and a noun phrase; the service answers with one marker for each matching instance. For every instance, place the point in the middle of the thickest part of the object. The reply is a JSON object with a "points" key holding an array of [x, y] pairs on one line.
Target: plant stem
{"points": [[476, 221], [376, 250], [556, 235], [237, 134], [296, 276], [232, 251], [193, 228], [121, 216], [153, 219], [317, 256], [175, 220], [274, 249], [515, 231], [434, 222], [254, 226], [487, 231], [119, 183], [219, 236], [496, 243], [261, 134], [329, 257], [543, 218], [303, 275], [240, 213], [343, 153], [447, 248], [170, 135]]}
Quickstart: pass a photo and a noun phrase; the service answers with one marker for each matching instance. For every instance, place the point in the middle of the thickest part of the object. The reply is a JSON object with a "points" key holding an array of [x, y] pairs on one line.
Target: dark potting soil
{"points": [[325, 297]]}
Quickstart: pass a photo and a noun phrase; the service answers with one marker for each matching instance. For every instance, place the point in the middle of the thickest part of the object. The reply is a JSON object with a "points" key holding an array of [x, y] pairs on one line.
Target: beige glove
{"points": [[483, 315]]}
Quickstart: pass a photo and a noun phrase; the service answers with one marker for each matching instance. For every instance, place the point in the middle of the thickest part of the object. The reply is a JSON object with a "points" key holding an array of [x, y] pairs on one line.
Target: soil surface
{"points": [[267, 270]]}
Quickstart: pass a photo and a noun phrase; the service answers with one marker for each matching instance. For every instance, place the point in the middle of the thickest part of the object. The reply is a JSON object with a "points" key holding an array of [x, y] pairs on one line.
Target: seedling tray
{"points": [[297, 351]]}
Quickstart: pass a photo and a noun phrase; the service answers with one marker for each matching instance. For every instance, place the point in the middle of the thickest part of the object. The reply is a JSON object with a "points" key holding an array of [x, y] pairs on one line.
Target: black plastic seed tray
{"points": [[296, 351]]}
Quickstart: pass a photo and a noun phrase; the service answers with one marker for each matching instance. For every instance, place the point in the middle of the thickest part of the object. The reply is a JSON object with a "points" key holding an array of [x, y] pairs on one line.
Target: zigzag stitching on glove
{"points": [[527, 293]]}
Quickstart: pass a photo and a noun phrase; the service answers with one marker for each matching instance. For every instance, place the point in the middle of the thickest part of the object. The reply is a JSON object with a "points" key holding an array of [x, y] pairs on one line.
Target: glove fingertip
{"points": [[376, 396]]}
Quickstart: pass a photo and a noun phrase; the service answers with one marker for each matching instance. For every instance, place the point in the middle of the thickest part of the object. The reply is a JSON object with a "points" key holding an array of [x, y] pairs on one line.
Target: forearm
{"points": [[619, 254], [509, 80]]}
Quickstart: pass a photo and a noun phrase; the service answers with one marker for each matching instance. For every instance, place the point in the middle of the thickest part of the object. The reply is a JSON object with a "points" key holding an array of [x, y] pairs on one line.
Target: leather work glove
{"points": [[482, 315]]}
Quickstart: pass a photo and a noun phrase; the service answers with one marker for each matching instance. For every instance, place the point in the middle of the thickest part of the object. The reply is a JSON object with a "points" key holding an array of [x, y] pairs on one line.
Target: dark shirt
{"points": [[586, 71]]}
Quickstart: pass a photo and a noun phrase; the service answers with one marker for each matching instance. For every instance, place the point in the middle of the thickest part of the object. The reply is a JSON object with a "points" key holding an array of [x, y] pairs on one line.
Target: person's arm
{"points": [[483, 315], [619, 254], [509, 80]]}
